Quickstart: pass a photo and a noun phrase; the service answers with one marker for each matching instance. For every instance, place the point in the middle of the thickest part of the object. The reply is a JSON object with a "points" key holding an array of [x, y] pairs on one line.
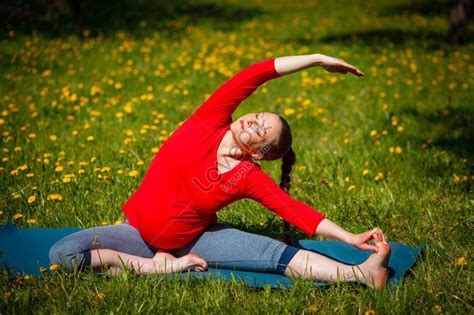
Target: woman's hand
{"points": [[361, 240], [332, 64]]}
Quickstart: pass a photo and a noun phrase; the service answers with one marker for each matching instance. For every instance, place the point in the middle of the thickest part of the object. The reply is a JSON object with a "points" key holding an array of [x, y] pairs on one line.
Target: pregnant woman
{"points": [[206, 164]]}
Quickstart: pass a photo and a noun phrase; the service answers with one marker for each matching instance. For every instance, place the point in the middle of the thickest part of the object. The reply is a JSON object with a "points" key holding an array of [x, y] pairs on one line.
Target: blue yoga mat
{"points": [[25, 250]]}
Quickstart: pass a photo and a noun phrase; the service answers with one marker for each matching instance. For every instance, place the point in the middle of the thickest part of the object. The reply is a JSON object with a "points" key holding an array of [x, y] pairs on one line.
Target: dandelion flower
{"points": [[31, 199], [55, 197], [18, 216], [351, 188], [461, 261], [288, 111], [53, 267], [379, 177], [53, 137], [456, 179], [365, 172], [31, 221], [133, 173]]}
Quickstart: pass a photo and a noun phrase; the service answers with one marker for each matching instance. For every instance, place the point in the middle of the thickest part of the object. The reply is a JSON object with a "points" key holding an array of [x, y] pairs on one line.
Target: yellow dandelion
{"points": [[119, 114], [347, 179], [120, 172], [365, 172], [394, 120], [288, 111], [369, 312], [155, 149], [456, 179], [373, 133], [100, 296], [398, 150], [400, 128], [17, 216], [351, 188], [133, 173], [140, 162], [53, 267], [118, 222], [55, 197], [42, 269], [2, 121], [90, 138], [118, 85], [31, 221], [461, 261], [58, 168], [379, 177], [53, 137], [31, 199], [32, 135], [104, 223]]}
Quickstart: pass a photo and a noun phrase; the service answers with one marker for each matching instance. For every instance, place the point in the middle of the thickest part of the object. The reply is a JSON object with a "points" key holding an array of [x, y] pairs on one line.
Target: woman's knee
{"points": [[65, 253]]}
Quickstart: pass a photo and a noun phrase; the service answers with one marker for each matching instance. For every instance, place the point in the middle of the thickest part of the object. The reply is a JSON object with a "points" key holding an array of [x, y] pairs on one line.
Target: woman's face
{"points": [[254, 130]]}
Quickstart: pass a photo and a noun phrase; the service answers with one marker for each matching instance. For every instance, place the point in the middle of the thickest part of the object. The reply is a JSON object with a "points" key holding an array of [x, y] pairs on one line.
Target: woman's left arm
{"points": [[290, 64], [329, 229]]}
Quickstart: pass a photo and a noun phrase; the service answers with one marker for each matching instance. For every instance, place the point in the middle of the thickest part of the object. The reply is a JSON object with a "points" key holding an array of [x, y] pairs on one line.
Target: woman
{"points": [[208, 163]]}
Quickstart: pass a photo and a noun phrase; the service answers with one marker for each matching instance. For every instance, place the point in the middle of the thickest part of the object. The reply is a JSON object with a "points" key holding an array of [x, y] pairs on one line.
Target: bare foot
{"points": [[169, 263], [192, 261], [375, 268]]}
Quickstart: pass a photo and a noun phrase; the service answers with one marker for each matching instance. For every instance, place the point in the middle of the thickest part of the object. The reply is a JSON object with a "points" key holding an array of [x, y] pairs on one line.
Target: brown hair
{"points": [[281, 149]]}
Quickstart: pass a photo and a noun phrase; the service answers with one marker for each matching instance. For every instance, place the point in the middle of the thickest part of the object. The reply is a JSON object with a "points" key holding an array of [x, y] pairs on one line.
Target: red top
{"points": [[182, 191]]}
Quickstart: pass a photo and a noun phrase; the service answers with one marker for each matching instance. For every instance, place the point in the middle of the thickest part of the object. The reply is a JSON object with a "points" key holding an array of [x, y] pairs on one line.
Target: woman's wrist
{"points": [[329, 229]]}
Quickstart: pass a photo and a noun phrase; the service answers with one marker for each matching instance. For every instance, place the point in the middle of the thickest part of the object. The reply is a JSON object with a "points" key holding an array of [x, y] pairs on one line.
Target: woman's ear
{"points": [[257, 156]]}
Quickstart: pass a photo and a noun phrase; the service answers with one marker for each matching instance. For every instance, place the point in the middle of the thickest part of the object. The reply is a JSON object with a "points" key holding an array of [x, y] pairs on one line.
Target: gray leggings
{"points": [[221, 246]]}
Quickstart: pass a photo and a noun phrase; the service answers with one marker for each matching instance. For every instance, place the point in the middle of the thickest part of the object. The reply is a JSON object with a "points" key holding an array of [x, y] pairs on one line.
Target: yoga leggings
{"points": [[221, 246]]}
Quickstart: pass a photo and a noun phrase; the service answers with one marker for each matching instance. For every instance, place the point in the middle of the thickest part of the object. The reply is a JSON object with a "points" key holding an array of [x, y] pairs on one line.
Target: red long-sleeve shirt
{"points": [[182, 191]]}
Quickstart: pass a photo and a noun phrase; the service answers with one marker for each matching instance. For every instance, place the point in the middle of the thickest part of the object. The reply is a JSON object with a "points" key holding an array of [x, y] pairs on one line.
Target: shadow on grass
{"points": [[137, 18], [425, 38], [427, 8], [414, 36], [452, 130]]}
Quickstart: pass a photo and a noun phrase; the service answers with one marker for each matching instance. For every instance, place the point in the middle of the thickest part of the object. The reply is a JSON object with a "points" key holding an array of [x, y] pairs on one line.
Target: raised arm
{"points": [[218, 108], [291, 64]]}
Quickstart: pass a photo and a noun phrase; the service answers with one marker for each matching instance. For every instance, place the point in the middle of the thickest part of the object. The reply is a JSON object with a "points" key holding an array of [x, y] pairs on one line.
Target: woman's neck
{"points": [[229, 148]]}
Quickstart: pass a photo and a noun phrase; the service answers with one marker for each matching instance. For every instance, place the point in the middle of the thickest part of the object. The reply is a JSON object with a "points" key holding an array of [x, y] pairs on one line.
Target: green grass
{"points": [[416, 95]]}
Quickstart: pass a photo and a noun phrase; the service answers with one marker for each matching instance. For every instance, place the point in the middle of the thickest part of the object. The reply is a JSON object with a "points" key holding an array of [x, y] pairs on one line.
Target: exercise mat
{"points": [[25, 251]]}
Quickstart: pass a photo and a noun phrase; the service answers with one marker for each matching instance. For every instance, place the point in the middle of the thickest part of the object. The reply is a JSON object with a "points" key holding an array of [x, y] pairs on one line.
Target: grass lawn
{"points": [[83, 114]]}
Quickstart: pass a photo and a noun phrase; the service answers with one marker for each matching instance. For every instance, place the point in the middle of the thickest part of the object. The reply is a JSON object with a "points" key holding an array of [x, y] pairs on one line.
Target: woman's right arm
{"points": [[291, 64]]}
